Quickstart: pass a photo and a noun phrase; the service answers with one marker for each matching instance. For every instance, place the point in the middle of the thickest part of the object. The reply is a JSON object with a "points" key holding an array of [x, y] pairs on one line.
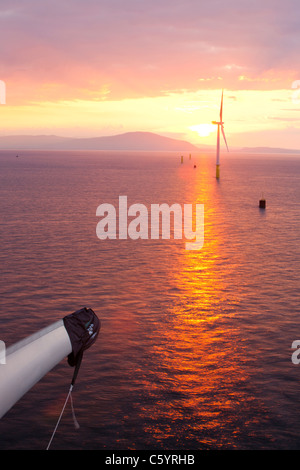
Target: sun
{"points": [[203, 130]]}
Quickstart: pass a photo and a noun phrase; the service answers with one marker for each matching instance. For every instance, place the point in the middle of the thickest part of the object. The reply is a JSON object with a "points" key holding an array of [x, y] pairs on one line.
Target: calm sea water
{"points": [[195, 346]]}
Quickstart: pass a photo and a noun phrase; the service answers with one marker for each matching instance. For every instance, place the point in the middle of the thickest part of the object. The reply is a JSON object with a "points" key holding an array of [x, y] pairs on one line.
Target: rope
{"points": [[66, 401], [76, 424], [62, 411]]}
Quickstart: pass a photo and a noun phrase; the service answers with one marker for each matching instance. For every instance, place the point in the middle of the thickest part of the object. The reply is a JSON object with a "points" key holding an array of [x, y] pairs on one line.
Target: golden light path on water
{"points": [[199, 360]]}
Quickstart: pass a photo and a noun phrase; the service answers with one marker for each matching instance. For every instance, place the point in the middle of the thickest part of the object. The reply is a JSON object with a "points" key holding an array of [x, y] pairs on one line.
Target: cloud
{"points": [[116, 49], [284, 119]]}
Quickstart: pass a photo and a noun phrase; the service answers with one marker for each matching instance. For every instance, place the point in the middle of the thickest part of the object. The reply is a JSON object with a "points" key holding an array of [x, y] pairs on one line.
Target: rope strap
{"points": [[66, 401]]}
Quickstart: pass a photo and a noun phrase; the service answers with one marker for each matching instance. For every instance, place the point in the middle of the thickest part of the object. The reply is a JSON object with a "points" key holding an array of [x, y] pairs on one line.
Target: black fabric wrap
{"points": [[83, 327]]}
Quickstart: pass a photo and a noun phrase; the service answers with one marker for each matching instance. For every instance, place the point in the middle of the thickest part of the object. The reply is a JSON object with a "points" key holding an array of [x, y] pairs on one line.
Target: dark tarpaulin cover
{"points": [[82, 327]]}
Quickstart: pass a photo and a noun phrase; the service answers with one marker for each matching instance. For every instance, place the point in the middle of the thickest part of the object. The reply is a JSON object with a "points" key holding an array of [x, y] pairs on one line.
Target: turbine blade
{"points": [[224, 138], [221, 108]]}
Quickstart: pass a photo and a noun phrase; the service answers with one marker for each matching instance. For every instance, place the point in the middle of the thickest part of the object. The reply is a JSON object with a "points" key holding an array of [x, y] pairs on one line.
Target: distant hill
{"points": [[127, 141], [268, 150]]}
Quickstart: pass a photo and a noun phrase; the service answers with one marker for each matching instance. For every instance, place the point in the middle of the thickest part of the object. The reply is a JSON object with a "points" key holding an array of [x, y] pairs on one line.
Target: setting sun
{"points": [[203, 130]]}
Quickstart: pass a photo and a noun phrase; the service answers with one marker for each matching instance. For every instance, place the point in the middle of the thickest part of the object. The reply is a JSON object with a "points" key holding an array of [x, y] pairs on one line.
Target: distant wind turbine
{"points": [[220, 125]]}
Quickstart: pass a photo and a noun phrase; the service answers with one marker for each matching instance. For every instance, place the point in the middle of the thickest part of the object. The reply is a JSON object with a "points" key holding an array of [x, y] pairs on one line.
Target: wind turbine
{"points": [[220, 126]]}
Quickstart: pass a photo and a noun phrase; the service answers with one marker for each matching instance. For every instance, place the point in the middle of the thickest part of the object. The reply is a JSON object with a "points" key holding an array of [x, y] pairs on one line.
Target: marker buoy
{"points": [[262, 204]]}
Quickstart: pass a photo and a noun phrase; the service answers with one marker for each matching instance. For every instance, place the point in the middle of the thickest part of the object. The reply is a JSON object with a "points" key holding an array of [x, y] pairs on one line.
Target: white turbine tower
{"points": [[220, 125]]}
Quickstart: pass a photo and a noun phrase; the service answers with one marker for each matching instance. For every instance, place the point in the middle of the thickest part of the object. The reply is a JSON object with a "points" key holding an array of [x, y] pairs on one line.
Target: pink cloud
{"points": [[75, 49]]}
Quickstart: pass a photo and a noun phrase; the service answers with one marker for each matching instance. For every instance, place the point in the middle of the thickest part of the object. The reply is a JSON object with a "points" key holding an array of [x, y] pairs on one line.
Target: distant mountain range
{"points": [[127, 141]]}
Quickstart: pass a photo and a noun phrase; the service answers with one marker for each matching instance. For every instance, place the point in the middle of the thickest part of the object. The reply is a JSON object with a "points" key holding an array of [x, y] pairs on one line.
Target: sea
{"points": [[195, 350]]}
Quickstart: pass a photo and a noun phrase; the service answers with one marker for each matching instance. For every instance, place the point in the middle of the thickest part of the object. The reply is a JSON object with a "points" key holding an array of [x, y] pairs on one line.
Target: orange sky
{"points": [[93, 68]]}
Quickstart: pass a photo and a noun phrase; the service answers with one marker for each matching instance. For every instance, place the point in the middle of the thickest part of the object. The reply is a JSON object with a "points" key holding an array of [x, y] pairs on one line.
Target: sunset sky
{"points": [[91, 68]]}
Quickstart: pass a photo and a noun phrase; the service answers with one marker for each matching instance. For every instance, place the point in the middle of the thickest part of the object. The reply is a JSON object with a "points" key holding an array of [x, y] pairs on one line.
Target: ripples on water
{"points": [[195, 346]]}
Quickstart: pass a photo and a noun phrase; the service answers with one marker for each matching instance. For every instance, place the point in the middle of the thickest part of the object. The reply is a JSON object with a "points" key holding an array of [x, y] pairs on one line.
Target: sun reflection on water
{"points": [[200, 378]]}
